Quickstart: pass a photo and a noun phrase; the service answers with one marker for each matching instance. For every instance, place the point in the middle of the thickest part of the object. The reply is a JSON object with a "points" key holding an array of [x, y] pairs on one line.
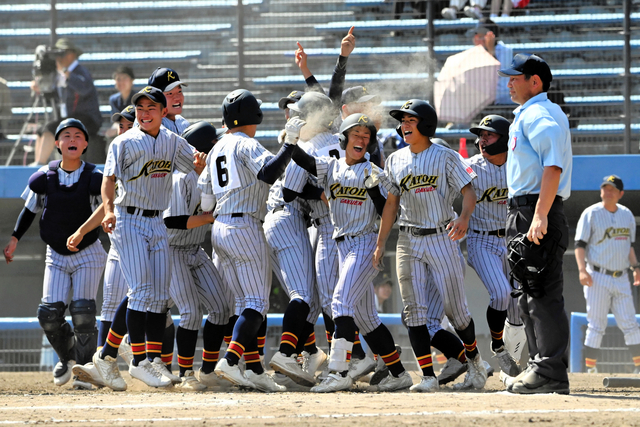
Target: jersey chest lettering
{"points": [[419, 183], [155, 169], [356, 194], [615, 233], [494, 194]]}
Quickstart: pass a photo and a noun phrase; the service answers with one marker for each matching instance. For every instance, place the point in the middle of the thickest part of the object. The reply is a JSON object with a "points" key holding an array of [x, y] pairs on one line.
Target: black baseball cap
{"points": [[613, 180], [529, 64], [483, 26], [128, 113], [165, 79], [358, 94], [292, 97], [153, 93]]}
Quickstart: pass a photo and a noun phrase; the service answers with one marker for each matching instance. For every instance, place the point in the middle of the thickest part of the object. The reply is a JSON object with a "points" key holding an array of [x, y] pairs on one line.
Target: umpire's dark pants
{"points": [[545, 319]]}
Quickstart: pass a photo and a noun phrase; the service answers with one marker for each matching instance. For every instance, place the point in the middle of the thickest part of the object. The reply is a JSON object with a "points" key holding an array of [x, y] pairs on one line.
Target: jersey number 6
{"points": [[223, 174]]}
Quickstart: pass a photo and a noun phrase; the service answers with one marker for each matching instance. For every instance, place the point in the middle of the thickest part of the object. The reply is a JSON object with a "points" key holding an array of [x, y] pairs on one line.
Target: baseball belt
{"points": [[613, 273], [132, 210], [417, 232], [500, 233]]}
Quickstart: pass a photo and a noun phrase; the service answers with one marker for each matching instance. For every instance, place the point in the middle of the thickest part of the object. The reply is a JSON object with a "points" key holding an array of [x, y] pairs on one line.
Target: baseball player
{"points": [[235, 186], [318, 112], [168, 81], [486, 244], [195, 281], [604, 253], [67, 192], [355, 201], [141, 161], [424, 178]]}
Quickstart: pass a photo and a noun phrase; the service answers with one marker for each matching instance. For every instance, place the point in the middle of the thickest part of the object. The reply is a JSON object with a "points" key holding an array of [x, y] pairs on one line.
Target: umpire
{"points": [[539, 167]]}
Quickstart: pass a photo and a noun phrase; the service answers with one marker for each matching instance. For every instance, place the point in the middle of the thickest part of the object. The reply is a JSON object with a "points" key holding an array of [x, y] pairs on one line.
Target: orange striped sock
{"points": [[154, 349]]}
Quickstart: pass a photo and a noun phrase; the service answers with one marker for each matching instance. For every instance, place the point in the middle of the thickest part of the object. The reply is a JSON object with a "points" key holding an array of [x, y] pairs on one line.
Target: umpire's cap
{"points": [[241, 108], [422, 109], [528, 64], [354, 120], [71, 123], [153, 93], [202, 136], [128, 113]]}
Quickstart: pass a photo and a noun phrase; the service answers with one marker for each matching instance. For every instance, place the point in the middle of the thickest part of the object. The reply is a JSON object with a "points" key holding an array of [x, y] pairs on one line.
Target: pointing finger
{"points": [[300, 46], [351, 30]]}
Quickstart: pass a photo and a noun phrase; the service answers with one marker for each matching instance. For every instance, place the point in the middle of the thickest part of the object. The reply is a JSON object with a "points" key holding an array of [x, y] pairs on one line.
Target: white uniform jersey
{"points": [[176, 126], [276, 198], [609, 236], [492, 194], [352, 211], [428, 182], [185, 200], [35, 202], [231, 176], [143, 167], [323, 144]]}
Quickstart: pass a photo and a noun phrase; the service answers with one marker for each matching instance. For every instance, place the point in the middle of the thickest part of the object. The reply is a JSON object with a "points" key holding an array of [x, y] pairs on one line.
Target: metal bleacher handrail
{"points": [[448, 50], [114, 56], [507, 21], [81, 7], [116, 30]]}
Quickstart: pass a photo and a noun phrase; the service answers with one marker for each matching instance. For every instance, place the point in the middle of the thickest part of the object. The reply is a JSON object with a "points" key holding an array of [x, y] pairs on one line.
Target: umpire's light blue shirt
{"points": [[539, 137]]}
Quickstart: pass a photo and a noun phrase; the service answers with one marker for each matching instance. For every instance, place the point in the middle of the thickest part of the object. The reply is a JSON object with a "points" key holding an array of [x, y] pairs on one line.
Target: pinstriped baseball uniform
{"points": [[143, 168], [427, 183], [488, 254], [80, 271], [354, 217], [176, 126], [609, 236], [115, 287], [286, 233], [194, 279], [237, 235], [326, 250]]}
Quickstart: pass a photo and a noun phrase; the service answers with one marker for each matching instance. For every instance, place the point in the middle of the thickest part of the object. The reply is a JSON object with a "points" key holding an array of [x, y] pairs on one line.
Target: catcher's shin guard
{"points": [[57, 330], [83, 315]]}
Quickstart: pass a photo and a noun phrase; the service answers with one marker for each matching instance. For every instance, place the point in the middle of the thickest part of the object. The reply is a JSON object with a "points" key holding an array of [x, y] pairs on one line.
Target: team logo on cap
{"points": [[129, 109], [407, 105], [363, 119], [147, 89], [170, 75], [486, 122], [293, 94], [611, 178]]}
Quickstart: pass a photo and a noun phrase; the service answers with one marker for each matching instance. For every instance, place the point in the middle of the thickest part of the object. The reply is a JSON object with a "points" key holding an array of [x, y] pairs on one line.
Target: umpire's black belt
{"points": [[132, 210], [500, 233], [613, 273], [415, 231], [527, 200]]}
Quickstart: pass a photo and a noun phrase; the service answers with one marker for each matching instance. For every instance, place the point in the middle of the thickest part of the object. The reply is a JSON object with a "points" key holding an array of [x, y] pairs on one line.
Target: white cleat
{"points": [[190, 383], [476, 376], [333, 382], [426, 385], [108, 372], [62, 372], [451, 370], [124, 350], [391, 383], [211, 379], [87, 374], [507, 364], [81, 385], [264, 382], [162, 369], [233, 374], [311, 363], [358, 368], [289, 366], [148, 374]]}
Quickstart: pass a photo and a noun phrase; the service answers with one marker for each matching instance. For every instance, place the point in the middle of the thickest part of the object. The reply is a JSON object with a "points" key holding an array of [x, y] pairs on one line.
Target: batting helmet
{"points": [[241, 108], [354, 120], [315, 108], [72, 123], [442, 142], [202, 136], [496, 124], [421, 109]]}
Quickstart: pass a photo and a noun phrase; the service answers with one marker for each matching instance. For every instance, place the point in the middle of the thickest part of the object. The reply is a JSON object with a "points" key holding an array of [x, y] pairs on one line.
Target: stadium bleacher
{"points": [[199, 37]]}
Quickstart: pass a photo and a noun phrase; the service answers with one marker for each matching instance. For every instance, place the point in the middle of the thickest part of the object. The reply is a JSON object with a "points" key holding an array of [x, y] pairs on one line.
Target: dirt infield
{"points": [[31, 398]]}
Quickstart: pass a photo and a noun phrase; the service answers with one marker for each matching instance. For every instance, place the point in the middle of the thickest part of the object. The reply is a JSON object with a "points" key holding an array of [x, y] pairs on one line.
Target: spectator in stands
{"points": [[474, 10], [496, 5], [78, 99], [5, 107], [418, 6], [382, 293], [123, 77], [487, 34]]}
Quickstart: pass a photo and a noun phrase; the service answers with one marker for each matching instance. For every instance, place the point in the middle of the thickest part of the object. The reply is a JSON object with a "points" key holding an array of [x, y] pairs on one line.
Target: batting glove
{"points": [[372, 180], [292, 128]]}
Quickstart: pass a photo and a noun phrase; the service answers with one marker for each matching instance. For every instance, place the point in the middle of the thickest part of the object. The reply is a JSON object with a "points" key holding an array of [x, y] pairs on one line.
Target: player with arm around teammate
{"points": [[424, 179], [67, 192], [604, 253], [355, 198]]}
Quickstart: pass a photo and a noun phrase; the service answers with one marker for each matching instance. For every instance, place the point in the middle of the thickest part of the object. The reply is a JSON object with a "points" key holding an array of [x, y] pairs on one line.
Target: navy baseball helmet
{"points": [[354, 120], [72, 123], [241, 108], [202, 136], [496, 124], [315, 108], [421, 109]]}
